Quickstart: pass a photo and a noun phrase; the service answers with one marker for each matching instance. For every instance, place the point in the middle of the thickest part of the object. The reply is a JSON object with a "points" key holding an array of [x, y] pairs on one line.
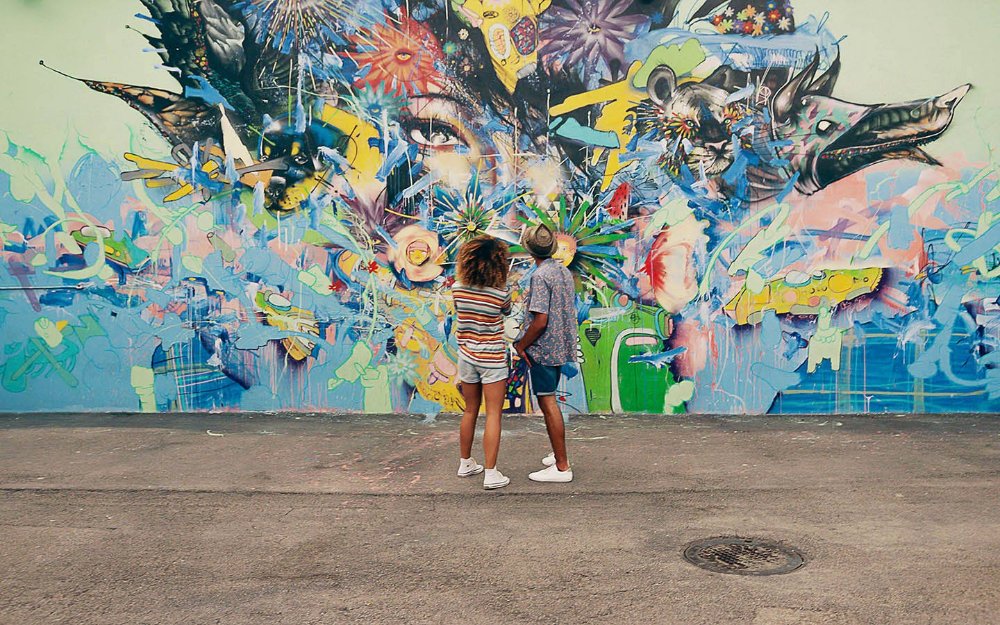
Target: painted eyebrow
{"points": [[443, 96]]}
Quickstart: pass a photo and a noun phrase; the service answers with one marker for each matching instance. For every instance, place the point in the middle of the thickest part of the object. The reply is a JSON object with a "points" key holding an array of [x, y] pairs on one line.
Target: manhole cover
{"points": [[743, 556]]}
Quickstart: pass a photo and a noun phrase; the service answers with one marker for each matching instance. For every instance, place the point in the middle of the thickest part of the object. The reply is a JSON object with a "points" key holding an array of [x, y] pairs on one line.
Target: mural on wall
{"points": [[743, 239]]}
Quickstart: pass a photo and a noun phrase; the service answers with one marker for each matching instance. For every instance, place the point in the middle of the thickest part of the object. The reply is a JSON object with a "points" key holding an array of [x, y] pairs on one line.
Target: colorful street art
{"points": [[743, 239]]}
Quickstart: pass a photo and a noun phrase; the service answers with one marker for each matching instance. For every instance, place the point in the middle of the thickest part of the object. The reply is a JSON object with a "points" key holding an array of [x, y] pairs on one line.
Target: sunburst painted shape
{"points": [[399, 58], [586, 243], [304, 24], [474, 213]]}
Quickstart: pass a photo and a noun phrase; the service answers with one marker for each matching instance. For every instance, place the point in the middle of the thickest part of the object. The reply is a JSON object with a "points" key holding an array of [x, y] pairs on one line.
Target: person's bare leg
{"points": [[473, 395], [556, 429], [494, 394]]}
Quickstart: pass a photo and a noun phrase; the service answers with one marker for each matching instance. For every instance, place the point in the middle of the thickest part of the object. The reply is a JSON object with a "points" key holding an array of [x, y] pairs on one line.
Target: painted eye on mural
{"points": [[403, 55], [433, 134], [825, 127]]}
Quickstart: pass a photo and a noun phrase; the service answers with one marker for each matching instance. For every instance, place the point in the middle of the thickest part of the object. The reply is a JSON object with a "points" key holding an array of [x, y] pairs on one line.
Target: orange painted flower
{"points": [[670, 264], [400, 58], [417, 254]]}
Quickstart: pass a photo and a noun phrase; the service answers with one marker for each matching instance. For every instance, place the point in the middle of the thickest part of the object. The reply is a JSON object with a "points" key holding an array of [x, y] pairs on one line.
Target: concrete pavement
{"points": [[353, 519]]}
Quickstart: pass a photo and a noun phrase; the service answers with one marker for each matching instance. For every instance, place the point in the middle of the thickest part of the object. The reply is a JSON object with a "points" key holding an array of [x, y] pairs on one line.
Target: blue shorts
{"points": [[545, 379]]}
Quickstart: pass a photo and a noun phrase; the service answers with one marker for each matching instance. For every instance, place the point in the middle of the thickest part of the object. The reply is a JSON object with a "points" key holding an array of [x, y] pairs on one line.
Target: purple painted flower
{"points": [[589, 31]]}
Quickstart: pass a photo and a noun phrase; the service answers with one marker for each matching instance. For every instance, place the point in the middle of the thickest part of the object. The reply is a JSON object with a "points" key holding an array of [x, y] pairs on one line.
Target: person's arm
{"points": [[538, 305], [535, 329]]}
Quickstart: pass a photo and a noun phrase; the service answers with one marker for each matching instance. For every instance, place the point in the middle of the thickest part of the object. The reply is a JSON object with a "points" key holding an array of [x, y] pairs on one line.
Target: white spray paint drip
{"points": [[269, 124], [258, 198], [195, 159], [914, 332], [215, 360], [173, 70], [333, 156], [231, 174], [385, 132], [300, 113], [742, 94]]}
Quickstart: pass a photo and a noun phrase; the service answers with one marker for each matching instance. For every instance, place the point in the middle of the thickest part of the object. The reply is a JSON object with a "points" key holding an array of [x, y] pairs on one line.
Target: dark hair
{"points": [[484, 261]]}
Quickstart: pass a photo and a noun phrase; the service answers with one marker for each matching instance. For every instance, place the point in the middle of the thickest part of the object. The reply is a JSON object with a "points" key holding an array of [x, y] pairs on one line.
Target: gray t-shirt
{"points": [[552, 293]]}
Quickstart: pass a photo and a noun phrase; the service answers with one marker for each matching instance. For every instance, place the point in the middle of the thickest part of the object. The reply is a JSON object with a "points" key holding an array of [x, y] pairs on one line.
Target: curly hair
{"points": [[484, 261]]}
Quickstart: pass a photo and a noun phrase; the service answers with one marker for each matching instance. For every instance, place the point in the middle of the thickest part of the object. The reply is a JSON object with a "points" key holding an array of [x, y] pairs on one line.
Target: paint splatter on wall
{"points": [[742, 238]]}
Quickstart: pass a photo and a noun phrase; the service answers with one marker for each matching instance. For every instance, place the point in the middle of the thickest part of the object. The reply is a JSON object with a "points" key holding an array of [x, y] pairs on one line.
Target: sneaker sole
{"points": [[471, 473], [550, 481], [495, 486]]}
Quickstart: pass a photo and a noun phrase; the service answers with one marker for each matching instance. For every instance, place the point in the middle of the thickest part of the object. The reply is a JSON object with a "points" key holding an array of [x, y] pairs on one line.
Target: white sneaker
{"points": [[551, 474], [468, 466], [495, 479], [550, 459]]}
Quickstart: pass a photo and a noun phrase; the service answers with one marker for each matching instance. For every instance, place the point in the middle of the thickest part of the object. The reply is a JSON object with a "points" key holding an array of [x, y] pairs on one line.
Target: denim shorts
{"points": [[471, 373], [545, 379]]}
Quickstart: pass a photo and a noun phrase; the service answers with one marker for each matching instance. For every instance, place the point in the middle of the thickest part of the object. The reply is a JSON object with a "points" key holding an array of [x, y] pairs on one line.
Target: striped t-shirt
{"points": [[480, 311]]}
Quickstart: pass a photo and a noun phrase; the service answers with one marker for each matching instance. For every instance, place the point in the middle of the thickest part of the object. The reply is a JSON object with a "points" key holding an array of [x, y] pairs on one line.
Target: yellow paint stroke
{"points": [[437, 374], [621, 97], [160, 173], [279, 313], [495, 19], [828, 288]]}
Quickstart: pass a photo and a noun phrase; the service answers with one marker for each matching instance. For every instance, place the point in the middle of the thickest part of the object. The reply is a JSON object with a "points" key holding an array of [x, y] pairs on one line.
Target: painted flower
{"points": [[748, 13], [403, 367], [589, 31], [417, 254], [464, 219], [585, 243], [372, 103], [785, 23], [774, 15], [304, 24], [401, 57], [670, 265]]}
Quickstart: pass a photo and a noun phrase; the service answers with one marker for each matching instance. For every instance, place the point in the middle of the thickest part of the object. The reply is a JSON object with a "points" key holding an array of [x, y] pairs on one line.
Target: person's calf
{"points": [[556, 430]]}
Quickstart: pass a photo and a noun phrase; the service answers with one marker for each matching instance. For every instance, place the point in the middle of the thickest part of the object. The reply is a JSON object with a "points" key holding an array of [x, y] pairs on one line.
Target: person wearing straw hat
{"points": [[549, 341]]}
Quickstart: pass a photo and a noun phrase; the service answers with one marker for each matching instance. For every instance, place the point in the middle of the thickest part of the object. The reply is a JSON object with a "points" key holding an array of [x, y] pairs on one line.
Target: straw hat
{"points": [[539, 241]]}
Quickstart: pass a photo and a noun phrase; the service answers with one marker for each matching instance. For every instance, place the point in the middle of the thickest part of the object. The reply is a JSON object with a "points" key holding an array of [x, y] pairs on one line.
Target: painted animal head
{"points": [[826, 139], [694, 119]]}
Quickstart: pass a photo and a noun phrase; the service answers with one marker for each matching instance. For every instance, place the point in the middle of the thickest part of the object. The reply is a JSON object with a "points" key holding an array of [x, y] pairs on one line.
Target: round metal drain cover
{"points": [[743, 556]]}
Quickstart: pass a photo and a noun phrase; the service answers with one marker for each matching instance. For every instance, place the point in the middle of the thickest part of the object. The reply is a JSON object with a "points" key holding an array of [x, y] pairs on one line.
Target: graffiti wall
{"points": [[257, 204]]}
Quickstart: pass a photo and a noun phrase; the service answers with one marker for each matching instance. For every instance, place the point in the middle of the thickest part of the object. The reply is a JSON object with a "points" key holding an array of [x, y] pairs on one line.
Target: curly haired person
{"points": [[481, 300]]}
